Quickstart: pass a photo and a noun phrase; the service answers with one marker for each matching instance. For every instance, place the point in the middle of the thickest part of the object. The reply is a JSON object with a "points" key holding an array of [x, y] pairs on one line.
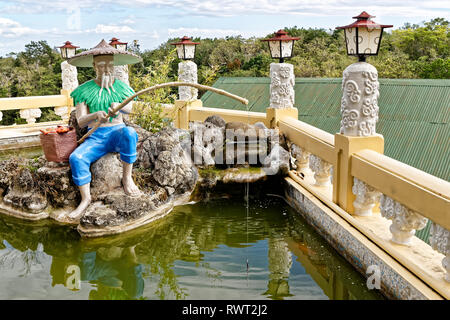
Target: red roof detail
{"points": [[281, 35], [363, 20], [185, 40], [68, 44]]}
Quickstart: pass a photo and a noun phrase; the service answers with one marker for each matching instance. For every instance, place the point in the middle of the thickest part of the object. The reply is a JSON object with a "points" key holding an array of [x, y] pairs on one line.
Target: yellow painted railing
{"points": [[361, 158], [30, 108]]}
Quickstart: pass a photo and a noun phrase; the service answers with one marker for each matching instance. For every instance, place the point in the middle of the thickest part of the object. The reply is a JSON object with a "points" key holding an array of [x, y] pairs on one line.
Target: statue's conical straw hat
{"points": [[86, 58]]}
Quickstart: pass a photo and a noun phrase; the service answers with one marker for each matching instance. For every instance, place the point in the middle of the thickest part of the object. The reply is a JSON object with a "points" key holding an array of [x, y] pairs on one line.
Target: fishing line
{"points": [[247, 189]]}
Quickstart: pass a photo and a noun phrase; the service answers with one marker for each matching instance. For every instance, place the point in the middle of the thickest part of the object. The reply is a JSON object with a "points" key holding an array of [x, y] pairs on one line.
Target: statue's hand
{"points": [[111, 113], [102, 117]]}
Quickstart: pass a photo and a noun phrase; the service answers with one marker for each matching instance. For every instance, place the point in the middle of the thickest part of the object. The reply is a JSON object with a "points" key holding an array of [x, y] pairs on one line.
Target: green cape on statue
{"points": [[88, 93]]}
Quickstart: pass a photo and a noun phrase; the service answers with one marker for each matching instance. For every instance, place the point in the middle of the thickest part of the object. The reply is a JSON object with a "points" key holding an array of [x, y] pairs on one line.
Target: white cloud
{"points": [[224, 8], [12, 29], [211, 33], [102, 28]]}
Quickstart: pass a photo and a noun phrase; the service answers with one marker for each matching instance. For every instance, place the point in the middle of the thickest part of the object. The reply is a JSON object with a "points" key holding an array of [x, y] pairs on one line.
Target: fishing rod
{"points": [[160, 86]]}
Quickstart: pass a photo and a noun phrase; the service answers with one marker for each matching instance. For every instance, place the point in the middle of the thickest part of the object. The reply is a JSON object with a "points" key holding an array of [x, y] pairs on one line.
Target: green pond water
{"points": [[29, 153], [199, 251]]}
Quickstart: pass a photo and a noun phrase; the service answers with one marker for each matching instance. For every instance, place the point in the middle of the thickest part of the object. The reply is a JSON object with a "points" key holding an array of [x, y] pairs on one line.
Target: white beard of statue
{"points": [[107, 81]]}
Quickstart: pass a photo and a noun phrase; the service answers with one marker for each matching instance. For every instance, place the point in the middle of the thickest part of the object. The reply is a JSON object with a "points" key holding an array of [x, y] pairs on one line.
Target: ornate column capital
{"points": [[366, 198], [30, 115], [405, 222], [282, 82], [440, 241], [187, 72], [321, 169], [301, 157], [359, 103]]}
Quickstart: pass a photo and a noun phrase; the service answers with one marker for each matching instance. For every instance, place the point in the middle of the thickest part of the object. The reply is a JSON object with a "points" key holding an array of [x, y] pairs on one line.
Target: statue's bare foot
{"points": [[75, 214], [130, 188]]}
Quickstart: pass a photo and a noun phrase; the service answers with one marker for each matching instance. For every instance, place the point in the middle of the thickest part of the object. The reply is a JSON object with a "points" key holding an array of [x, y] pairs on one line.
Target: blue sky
{"points": [[151, 22]]}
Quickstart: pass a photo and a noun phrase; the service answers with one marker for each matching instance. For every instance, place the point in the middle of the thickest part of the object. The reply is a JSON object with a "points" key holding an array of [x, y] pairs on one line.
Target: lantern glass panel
{"points": [[121, 47], [70, 52], [274, 47], [63, 53], [350, 39], [180, 51], [189, 50], [286, 48], [368, 40]]}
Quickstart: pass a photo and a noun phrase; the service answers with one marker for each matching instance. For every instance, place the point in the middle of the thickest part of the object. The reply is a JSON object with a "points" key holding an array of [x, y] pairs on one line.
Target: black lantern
{"points": [[67, 50], [114, 42], [185, 48], [281, 46], [363, 37]]}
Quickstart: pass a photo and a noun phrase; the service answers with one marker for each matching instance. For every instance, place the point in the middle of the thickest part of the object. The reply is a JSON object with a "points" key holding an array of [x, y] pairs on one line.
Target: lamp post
{"points": [[363, 37], [187, 69], [282, 79], [114, 42], [359, 115], [69, 77], [185, 48], [281, 46], [359, 105], [67, 50]]}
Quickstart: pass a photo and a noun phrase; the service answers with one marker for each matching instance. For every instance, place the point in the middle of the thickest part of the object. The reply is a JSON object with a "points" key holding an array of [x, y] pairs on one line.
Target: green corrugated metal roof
{"points": [[414, 115]]}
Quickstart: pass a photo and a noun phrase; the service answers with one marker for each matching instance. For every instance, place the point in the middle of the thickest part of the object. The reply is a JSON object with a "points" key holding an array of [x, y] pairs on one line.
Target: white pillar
{"points": [[359, 104], [187, 72], [121, 73], [69, 76], [282, 81]]}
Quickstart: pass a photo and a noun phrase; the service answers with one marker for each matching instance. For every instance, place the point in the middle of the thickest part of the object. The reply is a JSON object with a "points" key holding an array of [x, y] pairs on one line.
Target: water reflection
{"points": [[197, 252]]}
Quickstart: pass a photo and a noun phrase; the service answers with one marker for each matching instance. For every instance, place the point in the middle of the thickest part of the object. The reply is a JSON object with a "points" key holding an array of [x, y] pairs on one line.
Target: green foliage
{"points": [[413, 51], [148, 111]]}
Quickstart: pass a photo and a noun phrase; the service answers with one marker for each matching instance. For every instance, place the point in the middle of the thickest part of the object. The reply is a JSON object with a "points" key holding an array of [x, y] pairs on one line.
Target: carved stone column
{"points": [[30, 115], [187, 72], [440, 241], [69, 76], [121, 73], [359, 103], [405, 222], [301, 157], [366, 198], [282, 81], [321, 169]]}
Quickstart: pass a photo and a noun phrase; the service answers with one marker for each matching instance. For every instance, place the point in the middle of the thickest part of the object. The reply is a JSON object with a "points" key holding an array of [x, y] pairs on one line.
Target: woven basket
{"points": [[58, 146]]}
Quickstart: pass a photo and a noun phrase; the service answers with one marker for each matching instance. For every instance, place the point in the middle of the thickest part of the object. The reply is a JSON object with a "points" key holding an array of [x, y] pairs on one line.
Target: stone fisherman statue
{"points": [[94, 101]]}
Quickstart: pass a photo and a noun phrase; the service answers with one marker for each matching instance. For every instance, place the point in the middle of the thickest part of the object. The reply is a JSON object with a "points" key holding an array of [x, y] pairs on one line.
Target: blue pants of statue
{"points": [[119, 138]]}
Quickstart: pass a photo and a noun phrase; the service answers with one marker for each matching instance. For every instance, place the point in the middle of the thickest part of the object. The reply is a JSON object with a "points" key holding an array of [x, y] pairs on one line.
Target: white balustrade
{"points": [[405, 221], [321, 169], [366, 198]]}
